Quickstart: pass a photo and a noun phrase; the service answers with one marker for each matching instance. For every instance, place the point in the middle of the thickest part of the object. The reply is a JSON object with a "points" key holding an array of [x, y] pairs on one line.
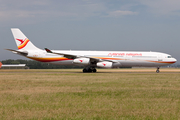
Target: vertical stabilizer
{"points": [[22, 41]]}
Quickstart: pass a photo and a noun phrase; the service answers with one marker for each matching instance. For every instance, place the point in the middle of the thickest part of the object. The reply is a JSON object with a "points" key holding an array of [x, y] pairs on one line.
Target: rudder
{"points": [[22, 41]]}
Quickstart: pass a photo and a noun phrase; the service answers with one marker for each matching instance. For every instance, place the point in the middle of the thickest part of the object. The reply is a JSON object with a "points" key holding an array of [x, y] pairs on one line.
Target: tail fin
{"points": [[22, 41]]}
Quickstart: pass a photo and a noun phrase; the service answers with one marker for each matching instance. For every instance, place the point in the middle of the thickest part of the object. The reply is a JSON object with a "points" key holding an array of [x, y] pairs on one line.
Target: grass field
{"points": [[108, 94]]}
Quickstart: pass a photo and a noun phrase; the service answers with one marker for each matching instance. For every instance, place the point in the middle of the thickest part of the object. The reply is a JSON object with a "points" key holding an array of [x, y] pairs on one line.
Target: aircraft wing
{"points": [[24, 53], [70, 56], [65, 55]]}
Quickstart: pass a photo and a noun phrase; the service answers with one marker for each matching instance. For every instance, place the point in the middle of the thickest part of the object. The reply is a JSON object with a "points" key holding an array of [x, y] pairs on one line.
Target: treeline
{"points": [[37, 65]]}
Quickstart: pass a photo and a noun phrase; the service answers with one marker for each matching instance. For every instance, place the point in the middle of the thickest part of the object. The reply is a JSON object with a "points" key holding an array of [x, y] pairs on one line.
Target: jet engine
{"points": [[108, 64], [84, 61], [105, 64]]}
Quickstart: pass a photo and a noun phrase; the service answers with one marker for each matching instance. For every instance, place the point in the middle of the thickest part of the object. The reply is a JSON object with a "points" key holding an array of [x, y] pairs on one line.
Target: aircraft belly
{"points": [[141, 63], [65, 62]]}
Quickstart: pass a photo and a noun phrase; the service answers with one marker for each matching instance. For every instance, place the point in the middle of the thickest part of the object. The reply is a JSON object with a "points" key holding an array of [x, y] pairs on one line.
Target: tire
{"points": [[157, 71], [84, 70], [94, 70]]}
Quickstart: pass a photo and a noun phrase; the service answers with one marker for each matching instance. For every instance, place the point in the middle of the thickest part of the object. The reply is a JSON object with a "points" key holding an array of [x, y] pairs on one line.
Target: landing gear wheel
{"points": [[89, 70], [157, 71], [94, 70], [84, 70]]}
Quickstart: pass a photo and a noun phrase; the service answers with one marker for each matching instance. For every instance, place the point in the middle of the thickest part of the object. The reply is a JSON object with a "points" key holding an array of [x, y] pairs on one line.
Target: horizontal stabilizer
{"points": [[24, 53]]}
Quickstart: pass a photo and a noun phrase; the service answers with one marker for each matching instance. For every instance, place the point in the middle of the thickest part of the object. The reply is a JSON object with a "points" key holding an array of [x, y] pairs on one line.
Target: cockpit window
{"points": [[169, 56]]}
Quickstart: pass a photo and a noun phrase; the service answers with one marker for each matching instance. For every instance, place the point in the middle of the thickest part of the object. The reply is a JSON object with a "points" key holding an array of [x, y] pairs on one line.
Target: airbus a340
{"points": [[90, 59]]}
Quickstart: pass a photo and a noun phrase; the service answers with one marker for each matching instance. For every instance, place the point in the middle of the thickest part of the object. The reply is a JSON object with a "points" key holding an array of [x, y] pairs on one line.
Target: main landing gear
{"points": [[85, 70], [157, 70]]}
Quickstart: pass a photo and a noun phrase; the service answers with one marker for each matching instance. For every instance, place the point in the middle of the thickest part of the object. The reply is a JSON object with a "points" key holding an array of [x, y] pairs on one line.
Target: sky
{"points": [[118, 25]]}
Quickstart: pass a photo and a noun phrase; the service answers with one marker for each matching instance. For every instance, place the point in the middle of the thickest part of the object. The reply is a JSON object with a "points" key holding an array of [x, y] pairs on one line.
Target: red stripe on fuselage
{"points": [[49, 59]]}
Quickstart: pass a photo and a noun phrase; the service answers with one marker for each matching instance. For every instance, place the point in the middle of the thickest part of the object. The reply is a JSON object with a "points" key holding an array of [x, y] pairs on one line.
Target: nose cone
{"points": [[174, 60]]}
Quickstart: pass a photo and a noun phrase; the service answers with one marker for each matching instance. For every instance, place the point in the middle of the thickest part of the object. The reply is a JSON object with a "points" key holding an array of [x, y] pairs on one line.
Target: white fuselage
{"points": [[89, 59], [124, 58]]}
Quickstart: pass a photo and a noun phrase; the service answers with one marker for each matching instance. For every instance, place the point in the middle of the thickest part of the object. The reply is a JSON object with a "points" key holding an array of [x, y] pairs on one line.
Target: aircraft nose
{"points": [[174, 60]]}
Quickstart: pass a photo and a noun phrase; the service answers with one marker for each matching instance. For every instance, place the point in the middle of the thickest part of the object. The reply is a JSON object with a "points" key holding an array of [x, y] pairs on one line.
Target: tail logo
{"points": [[23, 43], [21, 40]]}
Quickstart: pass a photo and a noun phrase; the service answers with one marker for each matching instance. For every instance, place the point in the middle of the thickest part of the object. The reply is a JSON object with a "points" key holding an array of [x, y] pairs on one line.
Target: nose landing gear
{"points": [[157, 70]]}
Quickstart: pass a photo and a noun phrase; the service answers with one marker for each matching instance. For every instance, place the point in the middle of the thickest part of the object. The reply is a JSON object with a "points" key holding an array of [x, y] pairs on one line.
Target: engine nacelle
{"points": [[83, 61], [105, 64]]}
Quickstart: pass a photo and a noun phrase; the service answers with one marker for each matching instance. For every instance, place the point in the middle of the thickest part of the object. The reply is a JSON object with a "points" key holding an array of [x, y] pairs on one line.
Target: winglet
{"points": [[48, 50]]}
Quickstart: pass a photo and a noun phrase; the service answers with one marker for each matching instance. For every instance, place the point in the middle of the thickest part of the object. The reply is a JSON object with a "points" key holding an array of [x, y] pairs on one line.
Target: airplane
{"points": [[90, 60]]}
